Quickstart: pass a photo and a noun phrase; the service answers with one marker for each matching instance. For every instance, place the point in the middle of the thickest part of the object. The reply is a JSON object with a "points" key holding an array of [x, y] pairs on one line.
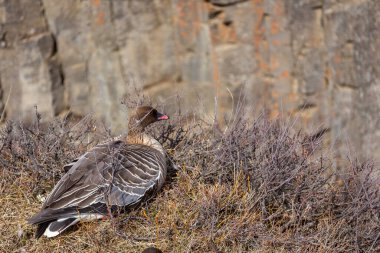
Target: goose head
{"points": [[143, 117]]}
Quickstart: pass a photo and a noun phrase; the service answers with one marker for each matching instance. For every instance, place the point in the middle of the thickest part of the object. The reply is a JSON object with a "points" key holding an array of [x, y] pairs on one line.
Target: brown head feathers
{"points": [[143, 117]]}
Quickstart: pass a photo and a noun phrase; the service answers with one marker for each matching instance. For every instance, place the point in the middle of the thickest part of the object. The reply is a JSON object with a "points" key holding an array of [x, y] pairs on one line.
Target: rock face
{"points": [[316, 58]]}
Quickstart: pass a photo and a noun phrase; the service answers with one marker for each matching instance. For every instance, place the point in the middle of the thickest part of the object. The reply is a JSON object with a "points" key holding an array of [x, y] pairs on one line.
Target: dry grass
{"points": [[254, 187]]}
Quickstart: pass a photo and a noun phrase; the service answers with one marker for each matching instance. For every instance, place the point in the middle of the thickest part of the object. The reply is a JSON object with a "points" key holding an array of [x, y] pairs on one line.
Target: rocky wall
{"points": [[317, 58]]}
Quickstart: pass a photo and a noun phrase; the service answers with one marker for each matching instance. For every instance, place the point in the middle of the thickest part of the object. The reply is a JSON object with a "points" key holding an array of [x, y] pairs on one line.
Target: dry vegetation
{"points": [[254, 187]]}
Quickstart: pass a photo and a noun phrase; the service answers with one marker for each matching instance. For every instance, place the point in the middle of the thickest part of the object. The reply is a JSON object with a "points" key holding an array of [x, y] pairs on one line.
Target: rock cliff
{"points": [[317, 58]]}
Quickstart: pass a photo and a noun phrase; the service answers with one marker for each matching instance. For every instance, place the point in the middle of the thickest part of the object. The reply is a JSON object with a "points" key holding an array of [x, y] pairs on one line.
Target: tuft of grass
{"points": [[256, 186]]}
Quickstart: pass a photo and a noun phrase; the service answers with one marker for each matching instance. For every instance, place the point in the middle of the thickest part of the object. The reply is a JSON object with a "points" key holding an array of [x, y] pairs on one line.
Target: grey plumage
{"points": [[115, 175]]}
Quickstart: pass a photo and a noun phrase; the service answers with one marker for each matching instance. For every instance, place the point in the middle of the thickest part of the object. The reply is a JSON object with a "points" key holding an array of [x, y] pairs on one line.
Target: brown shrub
{"points": [[254, 186]]}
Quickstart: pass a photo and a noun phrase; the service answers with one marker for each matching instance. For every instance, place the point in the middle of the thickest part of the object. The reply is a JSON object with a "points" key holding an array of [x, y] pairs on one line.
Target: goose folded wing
{"points": [[115, 174]]}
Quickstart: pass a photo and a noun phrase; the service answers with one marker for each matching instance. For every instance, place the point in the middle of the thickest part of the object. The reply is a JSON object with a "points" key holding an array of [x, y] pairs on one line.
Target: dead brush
{"points": [[254, 186], [41, 149]]}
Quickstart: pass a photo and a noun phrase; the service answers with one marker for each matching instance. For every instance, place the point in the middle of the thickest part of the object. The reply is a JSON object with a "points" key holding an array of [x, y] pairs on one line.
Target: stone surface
{"points": [[315, 58]]}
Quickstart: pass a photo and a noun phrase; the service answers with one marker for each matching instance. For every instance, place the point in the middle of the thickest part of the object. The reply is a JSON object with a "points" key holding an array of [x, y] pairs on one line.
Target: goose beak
{"points": [[162, 116]]}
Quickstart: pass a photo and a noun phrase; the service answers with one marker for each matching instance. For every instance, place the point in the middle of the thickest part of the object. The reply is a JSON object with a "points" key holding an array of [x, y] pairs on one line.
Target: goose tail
{"points": [[54, 228]]}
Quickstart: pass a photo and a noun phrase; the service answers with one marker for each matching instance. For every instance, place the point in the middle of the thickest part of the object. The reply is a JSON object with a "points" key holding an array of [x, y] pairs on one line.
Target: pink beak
{"points": [[163, 117]]}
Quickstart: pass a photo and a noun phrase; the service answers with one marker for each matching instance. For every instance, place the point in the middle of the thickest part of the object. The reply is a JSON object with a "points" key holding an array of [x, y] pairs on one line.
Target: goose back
{"points": [[116, 174]]}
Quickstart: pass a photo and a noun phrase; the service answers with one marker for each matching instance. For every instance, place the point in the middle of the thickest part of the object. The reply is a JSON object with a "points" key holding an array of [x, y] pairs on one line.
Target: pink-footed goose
{"points": [[111, 176]]}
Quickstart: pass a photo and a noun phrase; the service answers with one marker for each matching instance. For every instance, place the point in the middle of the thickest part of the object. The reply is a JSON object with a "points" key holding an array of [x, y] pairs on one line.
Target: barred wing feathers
{"points": [[114, 174]]}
